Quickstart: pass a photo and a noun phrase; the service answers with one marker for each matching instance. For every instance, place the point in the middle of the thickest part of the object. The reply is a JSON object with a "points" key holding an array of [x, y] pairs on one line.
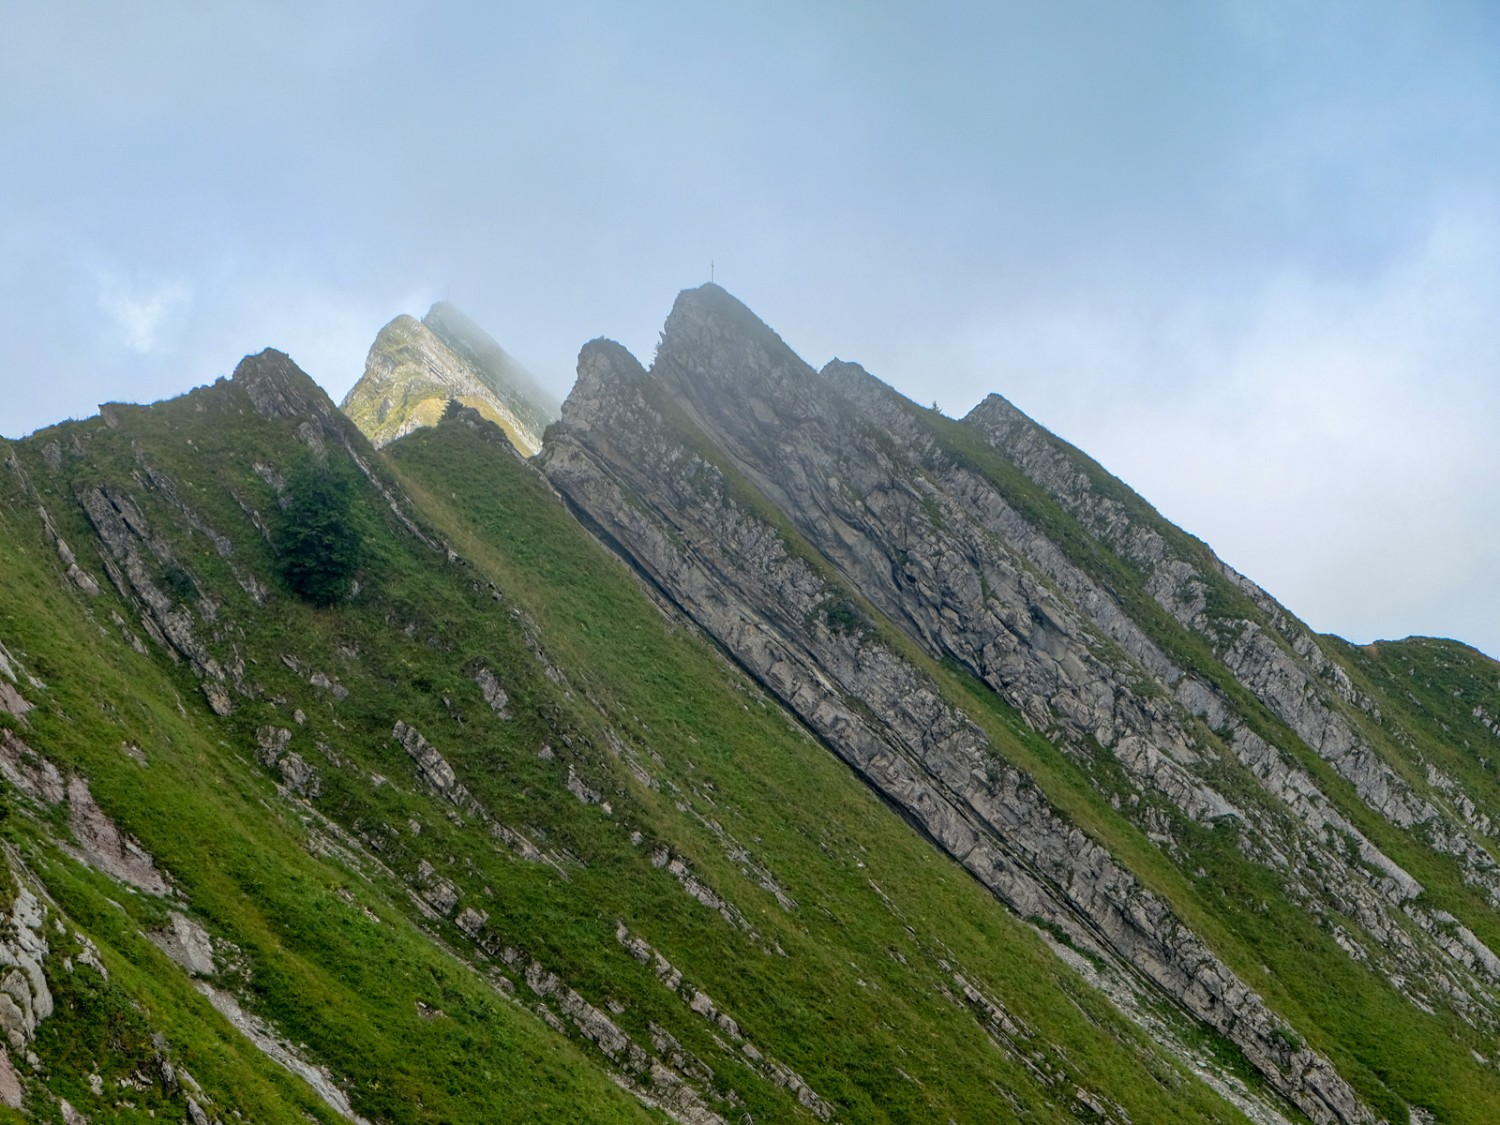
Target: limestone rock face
{"points": [[1268, 651], [278, 388], [416, 367], [187, 943], [25, 999], [818, 525], [11, 699]]}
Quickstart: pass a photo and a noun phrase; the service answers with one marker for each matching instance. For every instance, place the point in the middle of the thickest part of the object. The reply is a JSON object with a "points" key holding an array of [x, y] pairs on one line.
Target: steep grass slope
{"points": [[498, 837]]}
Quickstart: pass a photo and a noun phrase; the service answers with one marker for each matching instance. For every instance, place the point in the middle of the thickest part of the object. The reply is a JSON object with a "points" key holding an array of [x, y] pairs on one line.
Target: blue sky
{"points": [[1245, 254]]}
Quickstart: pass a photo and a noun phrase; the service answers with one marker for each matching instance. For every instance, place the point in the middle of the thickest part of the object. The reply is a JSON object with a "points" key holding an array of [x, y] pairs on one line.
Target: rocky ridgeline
{"points": [[771, 502], [1285, 667], [1267, 649], [1129, 746], [676, 518], [146, 561]]}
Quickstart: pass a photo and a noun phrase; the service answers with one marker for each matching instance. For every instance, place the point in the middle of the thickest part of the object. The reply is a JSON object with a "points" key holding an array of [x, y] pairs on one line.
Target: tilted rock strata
{"points": [[672, 514], [534, 406], [1284, 667], [922, 532], [933, 543], [1276, 658]]}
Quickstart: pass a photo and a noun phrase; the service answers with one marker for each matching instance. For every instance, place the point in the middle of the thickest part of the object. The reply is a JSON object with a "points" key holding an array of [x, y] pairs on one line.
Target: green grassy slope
{"points": [[829, 841], [334, 912], [1441, 707], [246, 863]]}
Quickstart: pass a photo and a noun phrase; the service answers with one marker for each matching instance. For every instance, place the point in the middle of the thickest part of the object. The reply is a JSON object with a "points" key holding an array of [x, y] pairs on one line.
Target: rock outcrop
{"points": [[818, 525]]}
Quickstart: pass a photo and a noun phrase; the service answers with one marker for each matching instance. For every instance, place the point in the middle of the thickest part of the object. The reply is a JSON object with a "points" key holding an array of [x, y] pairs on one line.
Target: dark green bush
{"points": [[841, 616], [320, 543]]}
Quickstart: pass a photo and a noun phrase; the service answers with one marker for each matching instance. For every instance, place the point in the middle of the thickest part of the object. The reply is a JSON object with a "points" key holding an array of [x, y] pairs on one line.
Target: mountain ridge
{"points": [[769, 746], [1273, 675]]}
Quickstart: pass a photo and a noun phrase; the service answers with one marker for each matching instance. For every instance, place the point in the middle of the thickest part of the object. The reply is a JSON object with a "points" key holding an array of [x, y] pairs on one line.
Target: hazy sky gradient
{"points": [[1245, 254]]}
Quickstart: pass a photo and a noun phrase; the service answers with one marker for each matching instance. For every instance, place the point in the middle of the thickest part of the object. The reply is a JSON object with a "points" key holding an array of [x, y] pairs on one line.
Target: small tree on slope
{"points": [[320, 542]]}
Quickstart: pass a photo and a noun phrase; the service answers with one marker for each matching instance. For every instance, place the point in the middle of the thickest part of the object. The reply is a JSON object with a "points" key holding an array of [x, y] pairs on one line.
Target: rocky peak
{"points": [[416, 367], [278, 388], [719, 358], [993, 405], [605, 369], [1271, 851], [505, 374], [814, 518]]}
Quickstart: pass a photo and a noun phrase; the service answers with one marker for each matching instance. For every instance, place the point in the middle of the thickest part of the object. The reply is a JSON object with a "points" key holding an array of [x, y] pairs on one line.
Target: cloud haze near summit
{"points": [[1247, 255]]}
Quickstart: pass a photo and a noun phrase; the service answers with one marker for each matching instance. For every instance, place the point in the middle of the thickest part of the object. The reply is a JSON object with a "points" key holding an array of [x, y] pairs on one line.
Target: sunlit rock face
{"points": [[416, 367]]}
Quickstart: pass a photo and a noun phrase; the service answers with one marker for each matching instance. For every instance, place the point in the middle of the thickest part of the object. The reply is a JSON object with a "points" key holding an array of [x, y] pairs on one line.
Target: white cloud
{"points": [[1357, 450], [138, 305]]}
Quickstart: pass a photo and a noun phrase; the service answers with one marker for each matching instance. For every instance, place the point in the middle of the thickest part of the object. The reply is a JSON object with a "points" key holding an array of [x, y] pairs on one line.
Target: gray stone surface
{"points": [[936, 547]]}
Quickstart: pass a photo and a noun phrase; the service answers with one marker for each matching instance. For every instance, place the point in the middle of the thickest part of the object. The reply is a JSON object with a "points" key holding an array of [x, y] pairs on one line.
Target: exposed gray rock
{"points": [[102, 845], [438, 776], [933, 543], [278, 388], [280, 1051], [471, 921], [494, 694], [439, 893], [132, 555], [672, 1081], [25, 999], [74, 573], [12, 1092], [271, 750], [703, 1005], [11, 699], [941, 552], [29, 771], [697, 889], [1277, 658], [187, 943], [432, 767], [580, 789], [1286, 667]]}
